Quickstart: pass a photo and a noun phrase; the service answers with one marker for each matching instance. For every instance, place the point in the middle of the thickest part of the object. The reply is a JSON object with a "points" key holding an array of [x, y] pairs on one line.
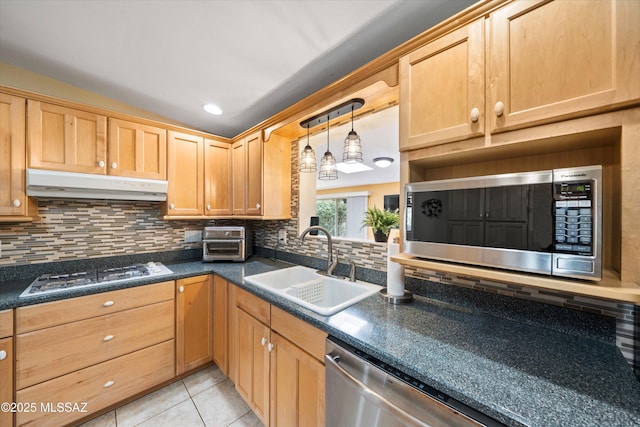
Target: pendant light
{"points": [[352, 148], [328, 169], [308, 158]]}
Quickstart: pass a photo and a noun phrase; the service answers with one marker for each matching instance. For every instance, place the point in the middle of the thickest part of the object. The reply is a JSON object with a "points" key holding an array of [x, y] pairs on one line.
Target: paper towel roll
{"points": [[395, 272]]}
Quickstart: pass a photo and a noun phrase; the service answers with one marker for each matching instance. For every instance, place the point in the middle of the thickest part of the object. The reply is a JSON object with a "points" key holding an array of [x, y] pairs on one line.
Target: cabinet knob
{"points": [[208, 207], [264, 341], [181, 289], [107, 338], [101, 163], [499, 108], [475, 114], [108, 384], [171, 205], [114, 165], [108, 304], [257, 205], [3, 354], [17, 203], [270, 347]]}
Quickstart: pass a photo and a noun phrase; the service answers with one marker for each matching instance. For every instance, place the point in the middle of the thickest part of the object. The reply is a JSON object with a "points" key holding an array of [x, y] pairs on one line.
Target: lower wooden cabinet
{"points": [[194, 305], [221, 324], [6, 378]]}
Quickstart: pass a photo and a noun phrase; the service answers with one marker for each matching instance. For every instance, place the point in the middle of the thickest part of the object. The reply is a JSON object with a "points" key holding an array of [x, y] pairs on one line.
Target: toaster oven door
{"points": [[223, 250]]}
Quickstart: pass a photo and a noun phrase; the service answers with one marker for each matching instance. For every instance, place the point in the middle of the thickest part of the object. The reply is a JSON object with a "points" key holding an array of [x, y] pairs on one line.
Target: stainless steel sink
{"points": [[319, 293]]}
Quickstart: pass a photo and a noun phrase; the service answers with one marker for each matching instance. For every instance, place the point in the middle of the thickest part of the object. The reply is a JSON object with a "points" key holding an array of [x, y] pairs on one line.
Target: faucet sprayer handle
{"points": [[352, 271]]}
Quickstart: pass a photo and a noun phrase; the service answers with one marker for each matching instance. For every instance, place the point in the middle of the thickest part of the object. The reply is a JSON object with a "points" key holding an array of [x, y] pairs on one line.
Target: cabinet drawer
{"points": [[258, 308], [55, 313], [305, 336], [6, 323], [80, 344], [98, 386]]}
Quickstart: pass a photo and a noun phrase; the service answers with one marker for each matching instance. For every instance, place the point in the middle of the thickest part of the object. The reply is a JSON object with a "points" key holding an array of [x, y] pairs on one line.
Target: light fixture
{"points": [[308, 158], [212, 109], [382, 162], [328, 168], [352, 148]]}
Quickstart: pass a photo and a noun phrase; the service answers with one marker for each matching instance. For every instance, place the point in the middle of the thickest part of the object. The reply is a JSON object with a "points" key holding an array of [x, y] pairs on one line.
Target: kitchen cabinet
{"points": [[548, 61], [221, 324], [107, 347], [14, 204], [218, 181], [185, 162], [137, 150], [279, 363], [542, 66], [193, 323], [66, 139], [6, 364], [262, 177], [442, 89]]}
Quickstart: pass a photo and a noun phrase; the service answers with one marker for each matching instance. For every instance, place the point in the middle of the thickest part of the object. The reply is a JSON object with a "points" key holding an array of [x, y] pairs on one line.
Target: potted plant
{"points": [[381, 222]]}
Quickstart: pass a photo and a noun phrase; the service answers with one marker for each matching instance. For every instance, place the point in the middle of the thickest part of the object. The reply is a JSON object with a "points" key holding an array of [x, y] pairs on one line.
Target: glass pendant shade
{"points": [[352, 152], [328, 168], [307, 158]]}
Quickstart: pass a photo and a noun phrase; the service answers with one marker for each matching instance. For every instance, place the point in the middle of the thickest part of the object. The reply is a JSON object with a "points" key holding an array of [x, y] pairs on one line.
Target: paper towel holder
{"points": [[396, 299]]}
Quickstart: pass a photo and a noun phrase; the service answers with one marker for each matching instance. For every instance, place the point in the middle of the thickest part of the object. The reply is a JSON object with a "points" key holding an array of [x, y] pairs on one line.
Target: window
{"points": [[342, 214]]}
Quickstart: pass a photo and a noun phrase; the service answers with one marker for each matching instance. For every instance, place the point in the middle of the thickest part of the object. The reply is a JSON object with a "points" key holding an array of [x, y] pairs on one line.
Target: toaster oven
{"points": [[226, 243]]}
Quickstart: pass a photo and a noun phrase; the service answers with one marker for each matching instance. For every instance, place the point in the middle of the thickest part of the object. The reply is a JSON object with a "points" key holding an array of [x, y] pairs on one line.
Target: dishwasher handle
{"points": [[372, 395]]}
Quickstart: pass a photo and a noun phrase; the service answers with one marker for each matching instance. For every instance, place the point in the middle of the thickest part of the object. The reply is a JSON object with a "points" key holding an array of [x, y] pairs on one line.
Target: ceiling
{"points": [[252, 58]]}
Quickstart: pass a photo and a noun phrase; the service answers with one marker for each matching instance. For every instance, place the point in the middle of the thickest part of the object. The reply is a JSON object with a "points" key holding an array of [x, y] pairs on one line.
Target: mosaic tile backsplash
{"points": [[71, 229]]}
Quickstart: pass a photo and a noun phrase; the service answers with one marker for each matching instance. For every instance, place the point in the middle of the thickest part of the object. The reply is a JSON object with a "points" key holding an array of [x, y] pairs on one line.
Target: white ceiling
{"points": [[253, 58]]}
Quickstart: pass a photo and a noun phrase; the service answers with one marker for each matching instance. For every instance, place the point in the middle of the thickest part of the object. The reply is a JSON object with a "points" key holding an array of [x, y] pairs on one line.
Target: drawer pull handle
{"points": [[108, 384], [108, 304], [3, 354], [108, 338], [264, 341]]}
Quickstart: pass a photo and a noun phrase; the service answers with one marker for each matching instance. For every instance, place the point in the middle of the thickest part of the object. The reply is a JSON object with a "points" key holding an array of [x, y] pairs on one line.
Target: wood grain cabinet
{"points": [[194, 308], [218, 180], [185, 162], [137, 150], [14, 204], [66, 139], [279, 368], [247, 175], [98, 349], [545, 61], [6, 364], [221, 324]]}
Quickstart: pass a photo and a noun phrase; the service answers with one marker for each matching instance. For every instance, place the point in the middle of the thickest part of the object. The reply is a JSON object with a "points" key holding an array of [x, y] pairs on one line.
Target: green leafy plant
{"points": [[381, 220]]}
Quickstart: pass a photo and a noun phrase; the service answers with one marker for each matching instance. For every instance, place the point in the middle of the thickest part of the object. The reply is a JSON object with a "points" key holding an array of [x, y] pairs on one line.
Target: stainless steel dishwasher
{"points": [[362, 391]]}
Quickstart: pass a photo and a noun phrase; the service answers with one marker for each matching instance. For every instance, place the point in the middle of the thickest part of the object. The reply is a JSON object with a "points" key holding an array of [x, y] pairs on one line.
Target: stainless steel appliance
{"points": [[362, 391], [48, 283], [546, 222], [227, 243]]}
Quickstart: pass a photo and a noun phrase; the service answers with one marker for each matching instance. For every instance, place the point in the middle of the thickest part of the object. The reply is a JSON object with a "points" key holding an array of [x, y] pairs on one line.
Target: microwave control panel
{"points": [[573, 217]]}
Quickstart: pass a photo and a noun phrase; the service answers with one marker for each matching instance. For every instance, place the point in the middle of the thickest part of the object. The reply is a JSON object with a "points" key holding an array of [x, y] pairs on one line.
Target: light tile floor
{"points": [[204, 399]]}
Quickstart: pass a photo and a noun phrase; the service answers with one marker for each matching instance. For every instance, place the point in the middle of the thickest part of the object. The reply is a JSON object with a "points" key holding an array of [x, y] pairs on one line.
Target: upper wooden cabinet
{"points": [[66, 139], [185, 162], [553, 60], [14, 203], [546, 61], [247, 176], [137, 150], [442, 89], [218, 179]]}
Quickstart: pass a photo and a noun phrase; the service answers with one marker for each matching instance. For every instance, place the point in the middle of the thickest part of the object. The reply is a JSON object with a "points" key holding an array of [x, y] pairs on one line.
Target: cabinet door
{"points": [[13, 196], [254, 174], [185, 193], [298, 386], [6, 379], [239, 160], [253, 364], [551, 60], [193, 323], [218, 178], [442, 89], [65, 139], [137, 150], [221, 324]]}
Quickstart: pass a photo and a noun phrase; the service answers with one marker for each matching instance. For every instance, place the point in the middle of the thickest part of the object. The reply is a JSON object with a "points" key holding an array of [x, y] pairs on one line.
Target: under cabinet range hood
{"points": [[70, 185]]}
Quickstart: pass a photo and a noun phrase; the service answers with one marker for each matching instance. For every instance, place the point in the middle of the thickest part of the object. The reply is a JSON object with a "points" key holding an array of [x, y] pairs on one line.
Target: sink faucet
{"points": [[331, 264]]}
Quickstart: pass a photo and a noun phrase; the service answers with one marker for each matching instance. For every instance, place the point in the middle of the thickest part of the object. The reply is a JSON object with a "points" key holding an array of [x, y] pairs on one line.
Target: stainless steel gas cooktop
{"points": [[48, 283]]}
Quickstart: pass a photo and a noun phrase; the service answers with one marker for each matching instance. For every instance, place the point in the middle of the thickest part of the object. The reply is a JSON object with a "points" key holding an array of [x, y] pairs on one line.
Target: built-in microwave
{"points": [[547, 222]]}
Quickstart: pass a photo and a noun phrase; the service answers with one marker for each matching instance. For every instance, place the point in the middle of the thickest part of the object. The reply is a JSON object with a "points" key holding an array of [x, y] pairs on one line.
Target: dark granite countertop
{"points": [[520, 373]]}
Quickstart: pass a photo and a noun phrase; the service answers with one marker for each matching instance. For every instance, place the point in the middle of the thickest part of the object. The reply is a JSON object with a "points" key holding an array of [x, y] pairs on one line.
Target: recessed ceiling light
{"points": [[352, 167], [383, 162], [213, 109]]}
